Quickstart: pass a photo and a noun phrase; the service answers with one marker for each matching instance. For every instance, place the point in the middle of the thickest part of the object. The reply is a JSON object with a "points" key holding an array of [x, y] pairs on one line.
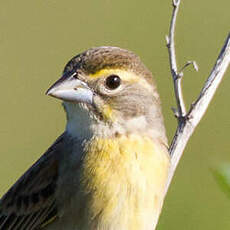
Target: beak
{"points": [[70, 88]]}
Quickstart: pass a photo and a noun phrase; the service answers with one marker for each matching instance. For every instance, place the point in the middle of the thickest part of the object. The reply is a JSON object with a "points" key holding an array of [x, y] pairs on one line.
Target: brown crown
{"points": [[96, 59]]}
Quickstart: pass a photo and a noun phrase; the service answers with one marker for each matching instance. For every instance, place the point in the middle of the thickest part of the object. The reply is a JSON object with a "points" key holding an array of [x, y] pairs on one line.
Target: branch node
{"points": [[175, 3], [182, 119]]}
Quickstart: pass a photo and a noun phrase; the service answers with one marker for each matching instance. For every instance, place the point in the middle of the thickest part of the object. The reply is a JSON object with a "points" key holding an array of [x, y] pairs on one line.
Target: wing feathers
{"points": [[30, 203]]}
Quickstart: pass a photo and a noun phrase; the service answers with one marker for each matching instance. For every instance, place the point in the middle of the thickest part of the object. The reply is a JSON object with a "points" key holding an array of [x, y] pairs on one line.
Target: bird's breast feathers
{"points": [[121, 183]]}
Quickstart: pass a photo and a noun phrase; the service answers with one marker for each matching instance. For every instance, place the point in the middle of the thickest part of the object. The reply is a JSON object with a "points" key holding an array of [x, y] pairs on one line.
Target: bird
{"points": [[109, 168]]}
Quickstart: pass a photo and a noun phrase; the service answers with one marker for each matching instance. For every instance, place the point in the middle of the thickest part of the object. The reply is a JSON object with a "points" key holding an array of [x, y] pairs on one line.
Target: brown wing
{"points": [[30, 202]]}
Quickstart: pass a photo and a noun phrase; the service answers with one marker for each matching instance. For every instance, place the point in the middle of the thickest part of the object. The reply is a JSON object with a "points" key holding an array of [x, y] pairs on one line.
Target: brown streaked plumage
{"points": [[108, 170]]}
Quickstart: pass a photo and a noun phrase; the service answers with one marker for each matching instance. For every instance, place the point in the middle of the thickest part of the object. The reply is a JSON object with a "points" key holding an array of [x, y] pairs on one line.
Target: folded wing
{"points": [[30, 203]]}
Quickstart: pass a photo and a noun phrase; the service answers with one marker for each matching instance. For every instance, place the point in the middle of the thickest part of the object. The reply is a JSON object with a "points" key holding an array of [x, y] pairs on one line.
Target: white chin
{"points": [[78, 120]]}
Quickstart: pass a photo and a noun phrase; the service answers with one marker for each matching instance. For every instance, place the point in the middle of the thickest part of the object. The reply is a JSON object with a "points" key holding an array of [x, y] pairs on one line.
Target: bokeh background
{"points": [[38, 37]]}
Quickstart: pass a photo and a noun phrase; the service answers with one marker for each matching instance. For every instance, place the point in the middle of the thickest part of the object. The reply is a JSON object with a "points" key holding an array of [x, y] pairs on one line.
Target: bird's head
{"points": [[110, 89]]}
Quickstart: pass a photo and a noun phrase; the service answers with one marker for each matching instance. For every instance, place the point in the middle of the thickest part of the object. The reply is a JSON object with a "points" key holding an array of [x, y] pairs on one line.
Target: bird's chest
{"points": [[121, 184]]}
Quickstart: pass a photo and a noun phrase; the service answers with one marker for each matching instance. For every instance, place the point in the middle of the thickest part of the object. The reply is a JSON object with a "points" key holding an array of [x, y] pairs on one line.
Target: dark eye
{"points": [[112, 82]]}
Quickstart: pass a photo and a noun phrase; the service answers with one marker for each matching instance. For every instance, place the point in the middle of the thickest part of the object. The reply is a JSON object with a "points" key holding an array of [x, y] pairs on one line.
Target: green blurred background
{"points": [[38, 37]]}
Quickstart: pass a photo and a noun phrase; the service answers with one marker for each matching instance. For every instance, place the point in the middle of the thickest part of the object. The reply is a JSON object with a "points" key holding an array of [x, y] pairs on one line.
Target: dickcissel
{"points": [[109, 169]]}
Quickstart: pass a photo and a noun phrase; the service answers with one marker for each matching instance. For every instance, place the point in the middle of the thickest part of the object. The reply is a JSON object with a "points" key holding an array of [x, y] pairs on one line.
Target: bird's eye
{"points": [[112, 82]]}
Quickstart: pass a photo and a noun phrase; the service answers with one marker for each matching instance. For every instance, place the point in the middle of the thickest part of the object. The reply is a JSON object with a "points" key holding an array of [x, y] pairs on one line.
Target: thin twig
{"points": [[187, 122], [188, 63], [177, 77]]}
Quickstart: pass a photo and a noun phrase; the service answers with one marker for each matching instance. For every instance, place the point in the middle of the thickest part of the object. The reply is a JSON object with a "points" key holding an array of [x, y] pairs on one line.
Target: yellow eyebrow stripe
{"points": [[106, 72], [125, 75]]}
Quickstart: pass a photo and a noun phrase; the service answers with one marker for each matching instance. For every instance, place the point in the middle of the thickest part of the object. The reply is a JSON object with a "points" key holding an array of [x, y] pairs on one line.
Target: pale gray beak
{"points": [[70, 88]]}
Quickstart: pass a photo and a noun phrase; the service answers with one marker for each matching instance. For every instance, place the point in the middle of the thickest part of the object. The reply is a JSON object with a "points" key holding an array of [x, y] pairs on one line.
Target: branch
{"points": [[187, 122], [172, 60]]}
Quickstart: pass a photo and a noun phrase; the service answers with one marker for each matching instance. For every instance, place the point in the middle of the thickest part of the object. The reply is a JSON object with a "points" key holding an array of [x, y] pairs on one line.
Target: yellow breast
{"points": [[123, 181]]}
